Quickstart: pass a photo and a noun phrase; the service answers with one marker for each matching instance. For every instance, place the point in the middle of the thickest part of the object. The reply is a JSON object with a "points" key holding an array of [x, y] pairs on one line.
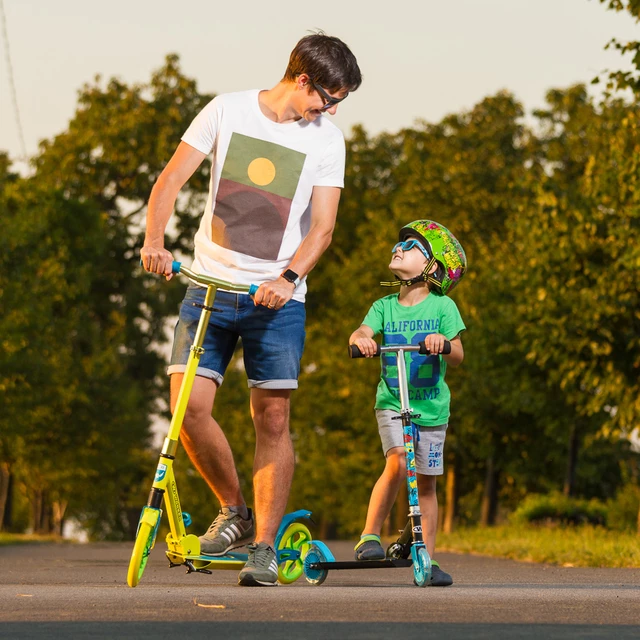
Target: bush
{"points": [[556, 508], [622, 511]]}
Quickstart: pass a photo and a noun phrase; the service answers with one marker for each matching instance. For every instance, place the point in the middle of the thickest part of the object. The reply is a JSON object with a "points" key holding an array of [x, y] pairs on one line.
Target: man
{"points": [[277, 170]]}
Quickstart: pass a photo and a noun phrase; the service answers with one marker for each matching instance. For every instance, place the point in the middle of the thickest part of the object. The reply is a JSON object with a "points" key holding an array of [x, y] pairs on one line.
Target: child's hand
{"points": [[368, 346], [435, 343]]}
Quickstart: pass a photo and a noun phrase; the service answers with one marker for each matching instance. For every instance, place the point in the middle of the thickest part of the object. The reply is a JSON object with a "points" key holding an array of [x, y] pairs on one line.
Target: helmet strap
{"points": [[425, 276]]}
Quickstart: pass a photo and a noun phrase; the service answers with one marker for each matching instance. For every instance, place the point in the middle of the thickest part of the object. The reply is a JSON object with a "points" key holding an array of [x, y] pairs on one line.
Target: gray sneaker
{"points": [[228, 531], [261, 569]]}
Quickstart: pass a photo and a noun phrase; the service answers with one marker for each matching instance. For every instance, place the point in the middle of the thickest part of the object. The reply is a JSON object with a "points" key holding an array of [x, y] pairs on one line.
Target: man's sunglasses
{"points": [[329, 101], [407, 245]]}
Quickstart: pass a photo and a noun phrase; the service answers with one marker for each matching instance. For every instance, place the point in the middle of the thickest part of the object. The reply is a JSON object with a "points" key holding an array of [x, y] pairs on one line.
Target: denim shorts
{"points": [[272, 340], [428, 447]]}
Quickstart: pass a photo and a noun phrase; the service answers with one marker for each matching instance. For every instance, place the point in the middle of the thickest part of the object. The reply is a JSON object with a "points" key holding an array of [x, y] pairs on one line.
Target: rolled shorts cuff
{"points": [[200, 371], [273, 384]]}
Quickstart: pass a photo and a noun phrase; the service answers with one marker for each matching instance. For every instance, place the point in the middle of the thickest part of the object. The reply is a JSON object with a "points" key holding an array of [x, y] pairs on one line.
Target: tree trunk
{"points": [[5, 484], [451, 498], [58, 510], [7, 521], [570, 479], [41, 513], [490, 496]]}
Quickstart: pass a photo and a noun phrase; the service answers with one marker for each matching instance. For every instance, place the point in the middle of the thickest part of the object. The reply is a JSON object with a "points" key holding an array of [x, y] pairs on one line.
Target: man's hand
{"points": [[157, 260], [274, 294]]}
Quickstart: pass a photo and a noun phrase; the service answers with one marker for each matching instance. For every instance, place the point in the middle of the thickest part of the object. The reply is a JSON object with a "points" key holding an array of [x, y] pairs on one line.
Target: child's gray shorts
{"points": [[429, 449]]}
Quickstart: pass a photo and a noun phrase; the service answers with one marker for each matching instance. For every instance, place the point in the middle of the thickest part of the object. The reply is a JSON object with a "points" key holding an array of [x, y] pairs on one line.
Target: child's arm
{"points": [[435, 344], [363, 338]]}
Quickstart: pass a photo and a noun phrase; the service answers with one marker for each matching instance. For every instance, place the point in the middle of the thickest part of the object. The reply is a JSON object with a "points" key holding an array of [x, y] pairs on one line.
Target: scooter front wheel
{"points": [[318, 552], [145, 539], [421, 566], [295, 538]]}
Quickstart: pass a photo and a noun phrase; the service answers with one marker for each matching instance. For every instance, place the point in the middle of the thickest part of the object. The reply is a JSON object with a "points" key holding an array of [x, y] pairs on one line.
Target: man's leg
{"points": [[274, 460], [209, 451], [272, 475], [204, 441]]}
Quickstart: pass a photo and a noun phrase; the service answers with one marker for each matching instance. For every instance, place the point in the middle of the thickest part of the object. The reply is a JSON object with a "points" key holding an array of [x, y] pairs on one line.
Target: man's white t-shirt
{"points": [[262, 177]]}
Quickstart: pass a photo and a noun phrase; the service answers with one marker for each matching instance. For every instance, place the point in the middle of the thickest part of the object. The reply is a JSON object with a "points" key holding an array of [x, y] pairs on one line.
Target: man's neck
{"points": [[276, 105]]}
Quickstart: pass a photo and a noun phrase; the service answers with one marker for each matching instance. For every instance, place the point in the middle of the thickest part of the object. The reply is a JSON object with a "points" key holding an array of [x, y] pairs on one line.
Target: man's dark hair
{"points": [[327, 61]]}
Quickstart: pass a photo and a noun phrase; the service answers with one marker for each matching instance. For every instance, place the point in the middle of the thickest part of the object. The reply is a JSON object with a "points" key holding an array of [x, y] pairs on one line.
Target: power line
{"points": [[12, 84]]}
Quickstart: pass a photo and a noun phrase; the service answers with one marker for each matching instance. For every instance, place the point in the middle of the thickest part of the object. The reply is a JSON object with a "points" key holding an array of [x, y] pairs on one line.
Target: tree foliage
{"points": [[549, 216]]}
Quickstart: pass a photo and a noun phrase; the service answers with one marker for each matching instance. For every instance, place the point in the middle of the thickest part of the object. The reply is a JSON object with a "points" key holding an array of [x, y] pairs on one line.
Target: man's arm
{"points": [[180, 168], [324, 209]]}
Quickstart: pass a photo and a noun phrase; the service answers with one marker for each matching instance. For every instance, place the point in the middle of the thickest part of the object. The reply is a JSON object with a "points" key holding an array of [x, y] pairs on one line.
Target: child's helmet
{"points": [[444, 247]]}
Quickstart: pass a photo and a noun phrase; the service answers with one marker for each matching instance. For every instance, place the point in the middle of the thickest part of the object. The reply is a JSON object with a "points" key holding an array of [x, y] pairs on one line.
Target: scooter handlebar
{"points": [[421, 347], [176, 267]]}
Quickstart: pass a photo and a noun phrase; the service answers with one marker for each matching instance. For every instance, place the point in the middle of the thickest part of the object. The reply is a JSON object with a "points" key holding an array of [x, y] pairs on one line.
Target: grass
{"points": [[581, 546], [25, 538]]}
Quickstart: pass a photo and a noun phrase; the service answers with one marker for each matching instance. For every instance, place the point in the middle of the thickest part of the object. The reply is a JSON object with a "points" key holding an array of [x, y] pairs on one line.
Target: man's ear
{"points": [[302, 81], [434, 268]]}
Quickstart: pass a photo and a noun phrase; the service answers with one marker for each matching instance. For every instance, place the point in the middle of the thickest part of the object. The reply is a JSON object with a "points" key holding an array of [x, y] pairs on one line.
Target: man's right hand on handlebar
{"points": [[157, 260]]}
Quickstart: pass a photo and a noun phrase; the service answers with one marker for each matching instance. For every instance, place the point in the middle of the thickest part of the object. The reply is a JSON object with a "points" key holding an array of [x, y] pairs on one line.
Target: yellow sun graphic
{"points": [[261, 171]]}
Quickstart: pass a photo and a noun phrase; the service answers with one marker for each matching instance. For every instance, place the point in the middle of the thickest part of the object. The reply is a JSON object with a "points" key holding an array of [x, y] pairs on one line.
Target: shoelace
{"points": [[263, 555], [221, 518]]}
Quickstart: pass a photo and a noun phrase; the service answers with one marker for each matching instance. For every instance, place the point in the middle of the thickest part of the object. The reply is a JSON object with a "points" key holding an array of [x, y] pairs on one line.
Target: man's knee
{"points": [[200, 405], [272, 421]]}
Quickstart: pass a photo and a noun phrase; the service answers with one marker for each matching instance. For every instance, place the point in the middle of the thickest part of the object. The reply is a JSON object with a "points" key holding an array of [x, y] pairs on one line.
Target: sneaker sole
{"points": [[249, 581]]}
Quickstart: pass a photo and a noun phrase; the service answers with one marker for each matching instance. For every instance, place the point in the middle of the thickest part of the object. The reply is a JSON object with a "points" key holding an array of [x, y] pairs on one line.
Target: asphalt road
{"points": [[79, 591]]}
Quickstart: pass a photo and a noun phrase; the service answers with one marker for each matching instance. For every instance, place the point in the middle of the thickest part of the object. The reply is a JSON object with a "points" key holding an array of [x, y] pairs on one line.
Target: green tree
{"points": [[625, 79]]}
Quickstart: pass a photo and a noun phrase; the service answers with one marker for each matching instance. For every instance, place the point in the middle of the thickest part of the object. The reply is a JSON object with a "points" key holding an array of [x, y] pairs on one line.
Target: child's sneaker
{"points": [[261, 568], [369, 548], [228, 531], [439, 578]]}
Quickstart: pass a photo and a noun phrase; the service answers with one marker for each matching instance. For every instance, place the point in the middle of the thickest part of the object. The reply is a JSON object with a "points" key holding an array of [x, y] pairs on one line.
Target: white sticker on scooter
{"points": [[160, 472]]}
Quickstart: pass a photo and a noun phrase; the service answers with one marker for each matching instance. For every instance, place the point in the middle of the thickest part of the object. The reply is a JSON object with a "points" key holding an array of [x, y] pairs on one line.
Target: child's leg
{"points": [[385, 491], [429, 508]]}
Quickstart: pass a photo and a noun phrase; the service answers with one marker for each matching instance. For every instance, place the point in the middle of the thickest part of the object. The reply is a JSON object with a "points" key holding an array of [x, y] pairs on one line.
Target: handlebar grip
{"points": [[445, 350], [354, 351], [175, 266]]}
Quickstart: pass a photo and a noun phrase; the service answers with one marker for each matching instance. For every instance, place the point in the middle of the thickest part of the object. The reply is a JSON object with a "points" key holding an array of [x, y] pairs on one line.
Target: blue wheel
{"points": [[318, 552], [421, 566]]}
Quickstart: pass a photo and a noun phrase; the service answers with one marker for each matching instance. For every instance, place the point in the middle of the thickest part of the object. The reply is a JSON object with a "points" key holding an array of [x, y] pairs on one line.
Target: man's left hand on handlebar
{"points": [[274, 294]]}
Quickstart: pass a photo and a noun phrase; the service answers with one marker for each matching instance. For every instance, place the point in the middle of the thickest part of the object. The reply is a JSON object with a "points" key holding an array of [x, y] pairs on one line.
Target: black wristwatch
{"points": [[291, 276]]}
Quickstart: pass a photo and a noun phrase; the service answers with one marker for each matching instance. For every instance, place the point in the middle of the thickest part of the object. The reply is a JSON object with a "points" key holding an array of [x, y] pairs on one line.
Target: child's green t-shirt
{"points": [[428, 392]]}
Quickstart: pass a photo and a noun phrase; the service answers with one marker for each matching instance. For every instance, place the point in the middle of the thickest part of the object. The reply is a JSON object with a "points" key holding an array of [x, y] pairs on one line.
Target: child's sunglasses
{"points": [[407, 245]]}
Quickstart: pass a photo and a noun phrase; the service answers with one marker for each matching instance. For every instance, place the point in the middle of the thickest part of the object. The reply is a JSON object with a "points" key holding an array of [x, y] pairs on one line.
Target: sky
{"points": [[421, 59]]}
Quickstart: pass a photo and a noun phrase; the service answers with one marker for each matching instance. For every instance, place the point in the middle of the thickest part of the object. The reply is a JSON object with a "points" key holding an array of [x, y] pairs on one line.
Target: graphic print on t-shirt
{"points": [[257, 185]]}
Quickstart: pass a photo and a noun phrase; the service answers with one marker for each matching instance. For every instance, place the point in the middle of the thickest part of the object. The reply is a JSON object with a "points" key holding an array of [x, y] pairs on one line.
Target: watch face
{"points": [[291, 276]]}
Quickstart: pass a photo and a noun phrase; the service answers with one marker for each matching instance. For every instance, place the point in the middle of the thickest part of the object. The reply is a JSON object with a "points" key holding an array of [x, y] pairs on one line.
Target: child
{"points": [[429, 263]]}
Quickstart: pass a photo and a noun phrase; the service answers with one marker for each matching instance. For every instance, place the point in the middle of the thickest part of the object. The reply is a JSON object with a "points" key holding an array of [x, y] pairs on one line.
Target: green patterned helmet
{"points": [[444, 247]]}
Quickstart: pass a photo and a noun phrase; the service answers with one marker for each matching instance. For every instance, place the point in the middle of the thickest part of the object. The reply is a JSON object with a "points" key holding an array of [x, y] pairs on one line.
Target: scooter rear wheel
{"points": [[145, 539], [295, 537]]}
